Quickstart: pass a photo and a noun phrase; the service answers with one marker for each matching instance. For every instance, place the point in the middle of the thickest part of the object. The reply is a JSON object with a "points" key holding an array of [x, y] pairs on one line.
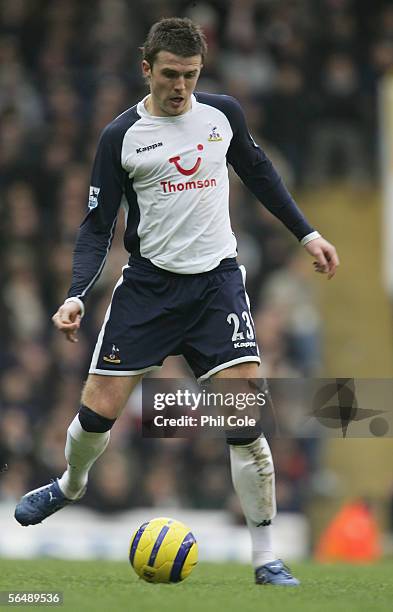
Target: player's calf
{"points": [[87, 438]]}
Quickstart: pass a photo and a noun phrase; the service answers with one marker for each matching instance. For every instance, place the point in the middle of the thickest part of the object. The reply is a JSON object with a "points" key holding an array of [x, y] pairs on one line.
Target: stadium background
{"points": [[307, 73]]}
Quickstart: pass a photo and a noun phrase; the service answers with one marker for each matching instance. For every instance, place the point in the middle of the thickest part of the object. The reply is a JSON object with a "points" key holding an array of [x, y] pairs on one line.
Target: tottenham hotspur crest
{"points": [[114, 356], [214, 136]]}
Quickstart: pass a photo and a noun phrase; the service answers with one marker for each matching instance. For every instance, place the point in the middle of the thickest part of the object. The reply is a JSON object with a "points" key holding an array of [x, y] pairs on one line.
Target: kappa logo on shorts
{"points": [[244, 344], [114, 356]]}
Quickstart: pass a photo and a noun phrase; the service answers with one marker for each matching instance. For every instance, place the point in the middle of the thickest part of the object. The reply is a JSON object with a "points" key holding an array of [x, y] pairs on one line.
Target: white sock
{"points": [[253, 479], [262, 544], [82, 449]]}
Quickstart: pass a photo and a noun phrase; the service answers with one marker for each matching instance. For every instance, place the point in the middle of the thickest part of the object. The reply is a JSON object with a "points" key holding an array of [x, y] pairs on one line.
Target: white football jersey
{"points": [[179, 174], [170, 174]]}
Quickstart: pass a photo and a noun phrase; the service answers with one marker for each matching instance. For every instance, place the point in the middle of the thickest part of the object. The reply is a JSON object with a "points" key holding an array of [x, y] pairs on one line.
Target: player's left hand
{"points": [[325, 255]]}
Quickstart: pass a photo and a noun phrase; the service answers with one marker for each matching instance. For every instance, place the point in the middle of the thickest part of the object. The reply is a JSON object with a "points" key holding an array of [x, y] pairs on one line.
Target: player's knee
{"points": [[242, 436], [93, 422]]}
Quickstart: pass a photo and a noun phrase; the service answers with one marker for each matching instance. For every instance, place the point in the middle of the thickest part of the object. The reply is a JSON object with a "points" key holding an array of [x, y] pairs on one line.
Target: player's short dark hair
{"points": [[176, 35]]}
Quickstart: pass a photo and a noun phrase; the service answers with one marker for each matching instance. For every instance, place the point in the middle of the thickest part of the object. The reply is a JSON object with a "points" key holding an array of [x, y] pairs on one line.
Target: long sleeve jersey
{"points": [[170, 174]]}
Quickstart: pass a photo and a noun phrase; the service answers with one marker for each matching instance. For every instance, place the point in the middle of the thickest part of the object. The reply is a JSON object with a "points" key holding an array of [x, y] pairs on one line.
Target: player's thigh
{"points": [[107, 395]]}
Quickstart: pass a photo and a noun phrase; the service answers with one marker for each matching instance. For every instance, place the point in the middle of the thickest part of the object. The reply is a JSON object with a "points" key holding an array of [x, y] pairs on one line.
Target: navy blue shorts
{"points": [[154, 313]]}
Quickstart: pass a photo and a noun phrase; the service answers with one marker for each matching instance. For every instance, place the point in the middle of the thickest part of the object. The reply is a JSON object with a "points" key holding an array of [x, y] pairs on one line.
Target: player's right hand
{"points": [[68, 319]]}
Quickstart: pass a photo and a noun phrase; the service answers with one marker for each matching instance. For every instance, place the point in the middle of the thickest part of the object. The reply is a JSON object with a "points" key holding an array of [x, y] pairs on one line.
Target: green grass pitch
{"points": [[113, 587]]}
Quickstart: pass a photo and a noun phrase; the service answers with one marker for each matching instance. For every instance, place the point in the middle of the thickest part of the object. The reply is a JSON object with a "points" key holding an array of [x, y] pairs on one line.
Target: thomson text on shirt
{"points": [[169, 187]]}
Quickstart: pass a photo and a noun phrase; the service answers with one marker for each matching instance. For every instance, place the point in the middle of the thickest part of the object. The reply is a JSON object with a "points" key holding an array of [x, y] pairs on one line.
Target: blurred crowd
{"points": [[306, 72]]}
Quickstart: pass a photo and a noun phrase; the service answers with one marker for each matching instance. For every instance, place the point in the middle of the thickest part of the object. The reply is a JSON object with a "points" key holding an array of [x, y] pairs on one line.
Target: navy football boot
{"points": [[276, 573], [37, 505]]}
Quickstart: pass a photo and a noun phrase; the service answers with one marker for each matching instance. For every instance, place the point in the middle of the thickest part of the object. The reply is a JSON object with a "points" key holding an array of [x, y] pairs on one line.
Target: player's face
{"points": [[172, 80]]}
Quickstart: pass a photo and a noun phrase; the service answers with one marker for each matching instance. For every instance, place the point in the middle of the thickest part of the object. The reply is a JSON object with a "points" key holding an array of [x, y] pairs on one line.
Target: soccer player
{"points": [[165, 162]]}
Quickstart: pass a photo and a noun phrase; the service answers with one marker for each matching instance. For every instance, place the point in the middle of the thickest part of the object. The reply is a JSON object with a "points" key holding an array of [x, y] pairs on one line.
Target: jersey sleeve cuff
{"points": [[79, 302], [310, 237]]}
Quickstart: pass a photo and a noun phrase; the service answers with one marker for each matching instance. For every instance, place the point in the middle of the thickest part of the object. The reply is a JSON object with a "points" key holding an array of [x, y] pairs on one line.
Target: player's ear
{"points": [[146, 69]]}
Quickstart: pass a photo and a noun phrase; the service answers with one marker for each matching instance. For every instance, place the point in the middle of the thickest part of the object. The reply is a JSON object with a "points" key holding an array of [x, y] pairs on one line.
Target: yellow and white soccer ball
{"points": [[163, 550]]}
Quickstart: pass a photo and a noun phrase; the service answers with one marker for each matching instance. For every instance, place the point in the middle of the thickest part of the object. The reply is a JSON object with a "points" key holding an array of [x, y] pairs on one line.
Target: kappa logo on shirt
{"points": [[150, 147]]}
